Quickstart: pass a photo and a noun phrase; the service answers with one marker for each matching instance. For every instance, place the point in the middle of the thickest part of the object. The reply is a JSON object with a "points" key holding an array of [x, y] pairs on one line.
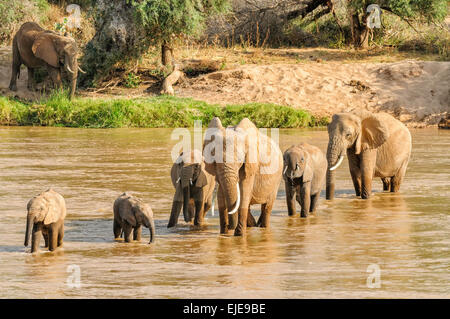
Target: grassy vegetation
{"points": [[161, 111]]}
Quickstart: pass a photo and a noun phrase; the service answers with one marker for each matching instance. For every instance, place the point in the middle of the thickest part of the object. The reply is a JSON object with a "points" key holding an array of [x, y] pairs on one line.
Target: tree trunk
{"points": [[166, 54], [360, 31]]}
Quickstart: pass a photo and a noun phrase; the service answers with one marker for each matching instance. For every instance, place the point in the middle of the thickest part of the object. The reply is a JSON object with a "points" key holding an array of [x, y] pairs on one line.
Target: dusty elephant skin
{"points": [[46, 213], [35, 47], [246, 174], [305, 167], [130, 213], [377, 145], [194, 188]]}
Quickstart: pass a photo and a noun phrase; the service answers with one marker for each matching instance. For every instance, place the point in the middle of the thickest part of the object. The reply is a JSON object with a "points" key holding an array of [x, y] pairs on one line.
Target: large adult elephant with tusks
{"points": [[35, 47], [247, 165], [377, 145]]}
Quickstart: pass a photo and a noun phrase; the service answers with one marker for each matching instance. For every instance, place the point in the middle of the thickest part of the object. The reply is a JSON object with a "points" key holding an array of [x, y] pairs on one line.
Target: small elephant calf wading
{"points": [[46, 213], [194, 188], [130, 213], [305, 168]]}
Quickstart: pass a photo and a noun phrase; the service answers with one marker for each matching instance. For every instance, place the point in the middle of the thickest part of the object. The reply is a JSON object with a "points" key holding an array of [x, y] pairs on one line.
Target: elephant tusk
{"points": [[338, 163], [190, 181], [68, 69], [178, 180], [79, 69], [285, 169], [238, 202], [213, 201]]}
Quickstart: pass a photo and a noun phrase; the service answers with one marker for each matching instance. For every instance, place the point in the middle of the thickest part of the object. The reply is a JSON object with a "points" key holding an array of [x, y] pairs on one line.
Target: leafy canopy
{"points": [[163, 20], [430, 10]]}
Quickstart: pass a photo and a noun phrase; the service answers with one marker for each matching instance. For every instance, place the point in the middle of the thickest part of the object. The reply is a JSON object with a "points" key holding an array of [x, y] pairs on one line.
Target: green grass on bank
{"points": [[161, 111]]}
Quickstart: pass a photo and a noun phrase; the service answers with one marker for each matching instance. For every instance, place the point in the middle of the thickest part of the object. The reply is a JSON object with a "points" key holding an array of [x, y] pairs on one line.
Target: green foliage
{"points": [[132, 80], [14, 12], [162, 111], [430, 10], [163, 20]]}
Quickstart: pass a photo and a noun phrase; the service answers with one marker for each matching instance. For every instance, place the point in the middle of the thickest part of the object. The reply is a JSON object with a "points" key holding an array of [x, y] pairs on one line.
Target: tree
{"points": [[426, 10], [166, 20], [126, 28]]}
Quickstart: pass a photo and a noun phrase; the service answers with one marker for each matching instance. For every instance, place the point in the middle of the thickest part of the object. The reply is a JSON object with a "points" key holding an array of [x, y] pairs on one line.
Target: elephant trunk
{"points": [[186, 197], [231, 192], [186, 180], [334, 158], [152, 230], [30, 223], [71, 66], [175, 213]]}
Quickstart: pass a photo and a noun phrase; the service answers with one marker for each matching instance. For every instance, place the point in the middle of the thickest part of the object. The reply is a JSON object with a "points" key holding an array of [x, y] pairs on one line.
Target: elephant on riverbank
{"points": [[247, 165], [35, 47], [46, 213], [194, 188], [377, 145], [130, 213], [305, 167]]}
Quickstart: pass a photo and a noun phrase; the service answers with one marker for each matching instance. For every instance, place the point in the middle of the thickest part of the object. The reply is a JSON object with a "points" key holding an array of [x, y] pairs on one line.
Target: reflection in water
{"points": [[325, 255]]}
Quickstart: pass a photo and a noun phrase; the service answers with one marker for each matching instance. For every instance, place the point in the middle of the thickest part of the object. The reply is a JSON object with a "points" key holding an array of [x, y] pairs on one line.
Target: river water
{"points": [[396, 242]]}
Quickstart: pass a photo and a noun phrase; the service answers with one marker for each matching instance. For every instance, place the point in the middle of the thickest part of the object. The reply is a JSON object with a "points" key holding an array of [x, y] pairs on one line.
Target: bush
{"points": [[15, 12]]}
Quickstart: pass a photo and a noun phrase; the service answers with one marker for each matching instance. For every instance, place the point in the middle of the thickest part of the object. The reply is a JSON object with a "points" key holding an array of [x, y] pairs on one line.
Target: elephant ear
{"points": [[131, 218], [214, 129], [202, 181], [53, 214], [373, 133], [251, 160], [307, 172], [44, 49]]}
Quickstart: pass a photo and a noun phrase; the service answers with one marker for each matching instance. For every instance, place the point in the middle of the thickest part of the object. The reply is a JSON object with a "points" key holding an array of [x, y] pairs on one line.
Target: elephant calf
{"points": [[46, 213], [194, 188], [130, 213], [304, 172]]}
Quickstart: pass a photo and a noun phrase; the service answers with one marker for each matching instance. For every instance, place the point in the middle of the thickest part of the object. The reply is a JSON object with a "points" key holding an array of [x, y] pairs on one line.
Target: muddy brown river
{"points": [[392, 245]]}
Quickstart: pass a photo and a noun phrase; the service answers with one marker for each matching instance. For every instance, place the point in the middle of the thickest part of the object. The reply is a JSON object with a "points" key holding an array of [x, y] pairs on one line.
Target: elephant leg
{"points": [[15, 70], [52, 237], [264, 218], [127, 228], [290, 198], [191, 210], [314, 201], [117, 228], [355, 171], [60, 234], [30, 83], [397, 179], [386, 183], [305, 195], [45, 235], [223, 213], [251, 222], [206, 208], [246, 188], [368, 160], [36, 237], [55, 74], [199, 213], [232, 221], [137, 233]]}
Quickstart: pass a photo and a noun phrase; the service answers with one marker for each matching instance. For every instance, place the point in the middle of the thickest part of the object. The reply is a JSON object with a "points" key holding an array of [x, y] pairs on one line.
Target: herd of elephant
{"points": [[377, 145]]}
